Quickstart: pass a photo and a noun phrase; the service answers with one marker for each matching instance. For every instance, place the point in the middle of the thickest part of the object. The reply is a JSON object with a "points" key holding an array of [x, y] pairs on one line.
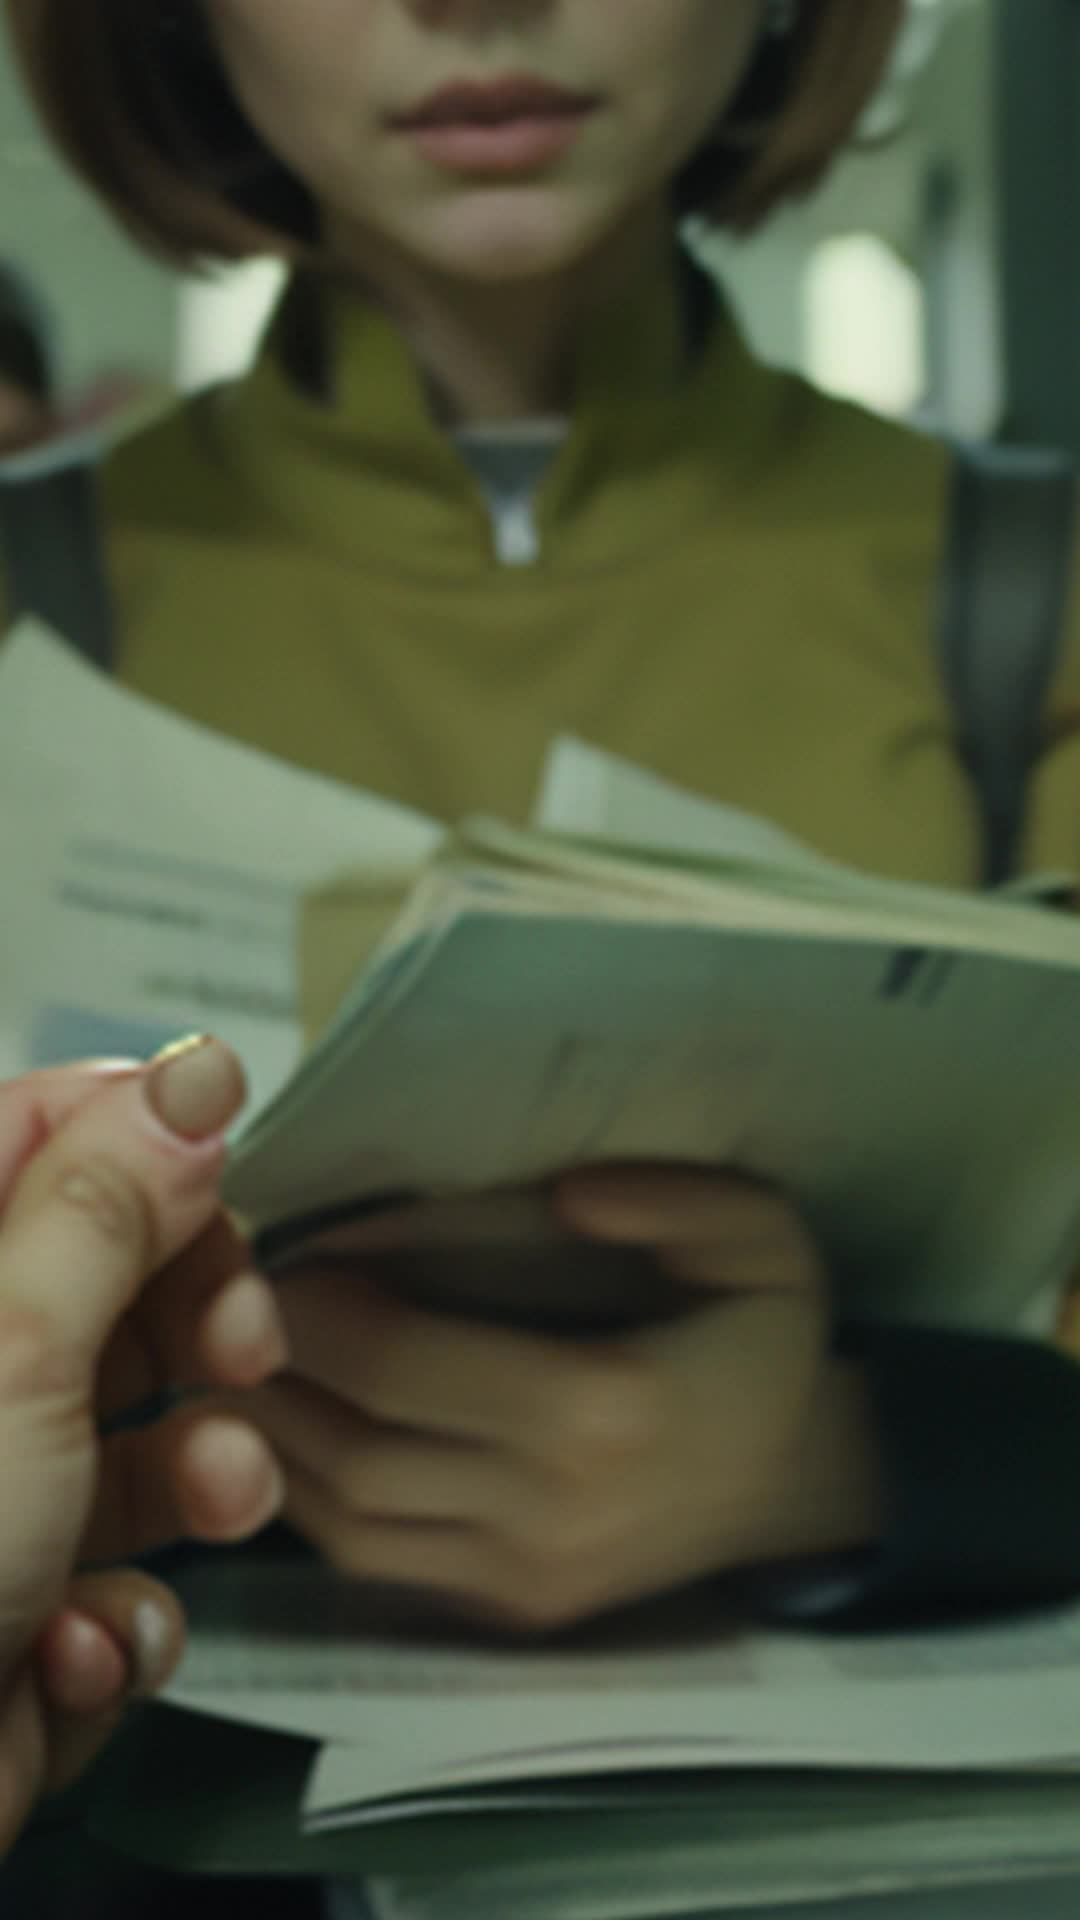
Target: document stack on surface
{"points": [[667, 1764]]}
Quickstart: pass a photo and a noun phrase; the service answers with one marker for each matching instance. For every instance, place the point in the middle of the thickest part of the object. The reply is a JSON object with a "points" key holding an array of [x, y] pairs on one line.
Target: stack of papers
{"points": [[641, 974], [408, 1717], [154, 872], [755, 1767]]}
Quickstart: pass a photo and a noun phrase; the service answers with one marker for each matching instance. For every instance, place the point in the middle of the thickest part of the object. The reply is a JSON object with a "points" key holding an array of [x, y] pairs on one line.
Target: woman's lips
{"points": [[505, 128]]}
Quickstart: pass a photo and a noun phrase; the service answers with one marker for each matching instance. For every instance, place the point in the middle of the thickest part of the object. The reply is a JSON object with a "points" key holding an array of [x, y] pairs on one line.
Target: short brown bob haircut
{"points": [[136, 97]]}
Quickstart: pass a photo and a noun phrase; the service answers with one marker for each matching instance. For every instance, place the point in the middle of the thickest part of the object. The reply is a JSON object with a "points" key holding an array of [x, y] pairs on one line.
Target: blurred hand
{"points": [[535, 1481], [119, 1276], [24, 420]]}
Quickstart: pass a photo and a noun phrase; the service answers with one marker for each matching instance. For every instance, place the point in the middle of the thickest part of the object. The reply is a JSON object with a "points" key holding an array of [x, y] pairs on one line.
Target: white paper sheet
{"points": [[287, 1648], [588, 792], [153, 871]]}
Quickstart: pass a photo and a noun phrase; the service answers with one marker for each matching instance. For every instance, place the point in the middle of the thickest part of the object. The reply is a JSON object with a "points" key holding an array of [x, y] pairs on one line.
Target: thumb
{"points": [[126, 1181]]}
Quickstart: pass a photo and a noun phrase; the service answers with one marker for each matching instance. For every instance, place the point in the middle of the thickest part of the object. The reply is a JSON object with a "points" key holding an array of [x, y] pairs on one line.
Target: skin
{"points": [[488, 279], [92, 1185], [530, 1480], [534, 1481]]}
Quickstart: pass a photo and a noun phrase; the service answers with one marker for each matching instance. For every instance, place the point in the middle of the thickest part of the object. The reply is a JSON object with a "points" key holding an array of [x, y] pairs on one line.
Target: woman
{"points": [[503, 469], [110, 1172]]}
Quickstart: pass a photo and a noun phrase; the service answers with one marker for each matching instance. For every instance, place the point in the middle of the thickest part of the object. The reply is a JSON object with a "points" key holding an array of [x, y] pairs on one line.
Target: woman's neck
{"points": [[497, 351]]}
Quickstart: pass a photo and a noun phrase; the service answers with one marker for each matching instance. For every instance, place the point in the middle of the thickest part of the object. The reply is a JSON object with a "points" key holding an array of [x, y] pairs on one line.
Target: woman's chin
{"points": [[507, 238]]}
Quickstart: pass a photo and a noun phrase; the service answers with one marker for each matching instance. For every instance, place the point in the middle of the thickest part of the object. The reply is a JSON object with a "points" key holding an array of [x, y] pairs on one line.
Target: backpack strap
{"points": [[52, 556], [1004, 598]]}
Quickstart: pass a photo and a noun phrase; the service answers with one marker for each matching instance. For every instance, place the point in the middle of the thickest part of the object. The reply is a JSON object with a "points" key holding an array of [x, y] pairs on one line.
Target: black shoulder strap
{"points": [[1004, 600], [1004, 594], [53, 559]]}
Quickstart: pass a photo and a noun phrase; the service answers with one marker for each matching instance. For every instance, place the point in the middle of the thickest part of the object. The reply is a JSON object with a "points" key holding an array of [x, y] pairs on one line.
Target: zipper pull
{"points": [[517, 536]]}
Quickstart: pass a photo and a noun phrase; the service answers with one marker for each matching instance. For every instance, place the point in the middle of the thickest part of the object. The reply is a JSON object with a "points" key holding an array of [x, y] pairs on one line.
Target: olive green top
{"points": [[733, 584]]}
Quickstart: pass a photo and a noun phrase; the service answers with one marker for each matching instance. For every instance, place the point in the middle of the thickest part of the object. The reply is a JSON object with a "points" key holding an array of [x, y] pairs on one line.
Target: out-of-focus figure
{"points": [[32, 410], [26, 374]]}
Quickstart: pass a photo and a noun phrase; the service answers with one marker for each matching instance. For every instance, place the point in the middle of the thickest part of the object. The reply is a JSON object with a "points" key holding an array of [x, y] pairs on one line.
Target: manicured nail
{"points": [[195, 1087], [153, 1647]]}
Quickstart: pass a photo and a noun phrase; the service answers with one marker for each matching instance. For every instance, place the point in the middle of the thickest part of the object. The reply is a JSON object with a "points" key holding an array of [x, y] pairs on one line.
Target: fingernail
{"points": [[242, 1484], [152, 1647], [86, 1669], [195, 1087], [246, 1322]]}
